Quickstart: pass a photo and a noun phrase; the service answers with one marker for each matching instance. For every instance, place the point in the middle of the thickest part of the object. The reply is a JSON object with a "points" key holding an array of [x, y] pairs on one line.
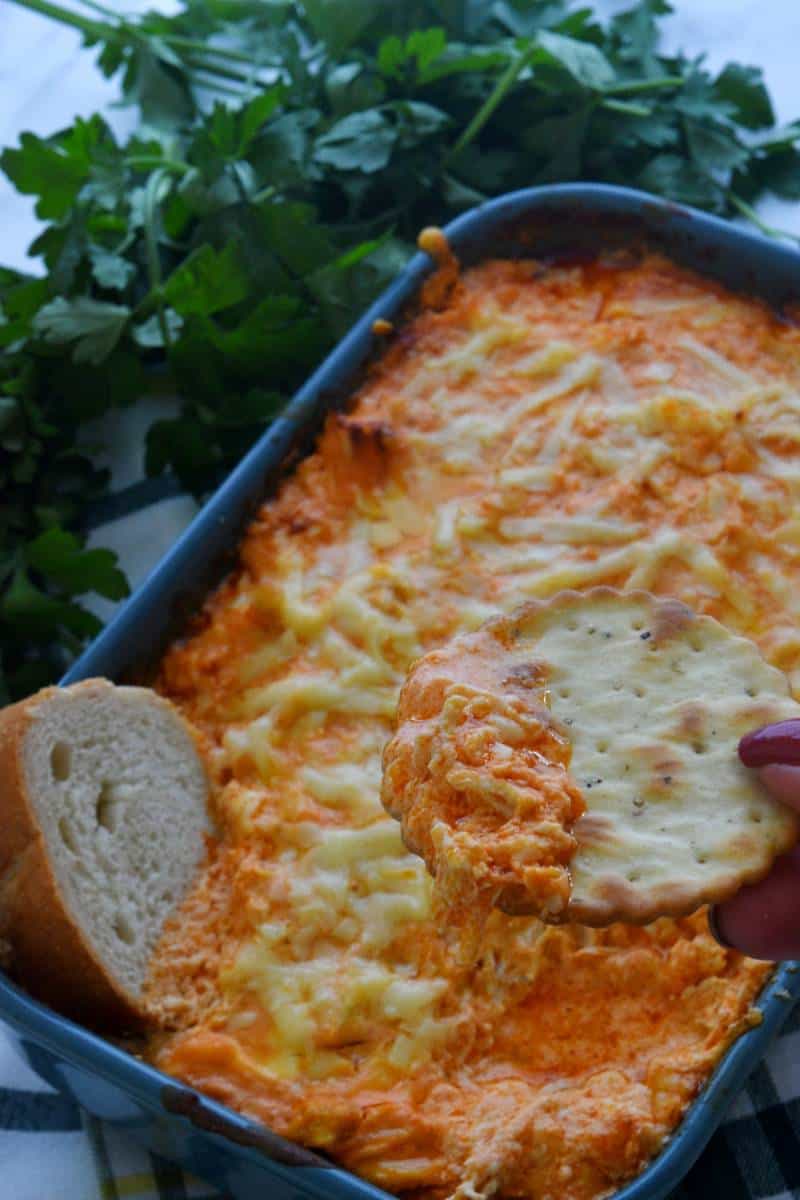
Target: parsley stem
{"points": [[152, 199], [184, 43], [127, 27], [625, 107], [198, 64], [128, 33], [149, 162], [496, 97], [509, 76], [95, 6], [265, 194], [66, 17], [750, 213], [215, 84], [632, 86]]}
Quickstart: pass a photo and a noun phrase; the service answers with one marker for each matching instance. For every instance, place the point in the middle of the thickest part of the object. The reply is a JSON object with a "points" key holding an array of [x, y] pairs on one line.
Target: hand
{"points": [[763, 920]]}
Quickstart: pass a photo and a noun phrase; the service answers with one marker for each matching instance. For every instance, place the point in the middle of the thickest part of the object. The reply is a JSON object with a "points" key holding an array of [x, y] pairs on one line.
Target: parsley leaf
{"points": [[583, 61], [34, 611], [56, 168], [674, 177], [742, 89], [111, 270], [361, 141], [207, 281], [59, 555], [94, 326]]}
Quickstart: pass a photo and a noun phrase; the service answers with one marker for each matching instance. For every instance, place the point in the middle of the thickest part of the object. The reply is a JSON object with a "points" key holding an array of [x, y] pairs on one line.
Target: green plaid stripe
{"points": [[168, 1180]]}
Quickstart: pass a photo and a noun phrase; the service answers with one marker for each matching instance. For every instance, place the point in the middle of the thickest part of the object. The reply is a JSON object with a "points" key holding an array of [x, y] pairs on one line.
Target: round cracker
{"points": [[653, 699]]}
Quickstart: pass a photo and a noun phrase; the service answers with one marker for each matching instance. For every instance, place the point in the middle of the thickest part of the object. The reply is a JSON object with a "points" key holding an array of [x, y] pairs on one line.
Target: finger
{"points": [[783, 782], [763, 919]]}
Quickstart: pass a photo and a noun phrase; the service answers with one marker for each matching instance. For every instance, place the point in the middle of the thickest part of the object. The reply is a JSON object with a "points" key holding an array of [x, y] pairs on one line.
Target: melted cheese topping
{"points": [[548, 428]]}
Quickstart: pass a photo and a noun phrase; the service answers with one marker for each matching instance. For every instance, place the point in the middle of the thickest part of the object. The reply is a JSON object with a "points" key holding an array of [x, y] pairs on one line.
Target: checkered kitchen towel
{"points": [[52, 1150], [754, 1156]]}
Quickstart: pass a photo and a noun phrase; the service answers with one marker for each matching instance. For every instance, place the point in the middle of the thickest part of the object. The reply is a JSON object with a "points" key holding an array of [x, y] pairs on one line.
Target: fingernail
{"points": [[779, 743], [716, 932]]}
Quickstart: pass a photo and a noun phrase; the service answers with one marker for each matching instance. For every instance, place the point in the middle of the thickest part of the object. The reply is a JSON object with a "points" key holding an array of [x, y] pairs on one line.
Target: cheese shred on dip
{"points": [[620, 422]]}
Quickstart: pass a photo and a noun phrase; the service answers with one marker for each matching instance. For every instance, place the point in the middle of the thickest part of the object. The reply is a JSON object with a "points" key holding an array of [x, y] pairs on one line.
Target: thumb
{"points": [[783, 782], [763, 919]]}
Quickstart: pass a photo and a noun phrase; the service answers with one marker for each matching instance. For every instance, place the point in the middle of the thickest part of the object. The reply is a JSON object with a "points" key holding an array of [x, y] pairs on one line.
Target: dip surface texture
{"points": [[621, 422]]}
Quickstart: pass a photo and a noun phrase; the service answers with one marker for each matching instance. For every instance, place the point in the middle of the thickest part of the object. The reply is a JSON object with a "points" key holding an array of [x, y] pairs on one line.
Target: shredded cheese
{"points": [[542, 430]]}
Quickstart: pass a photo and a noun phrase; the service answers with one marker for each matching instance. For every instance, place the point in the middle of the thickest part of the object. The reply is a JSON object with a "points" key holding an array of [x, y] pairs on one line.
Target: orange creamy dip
{"points": [[477, 773], [625, 423]]}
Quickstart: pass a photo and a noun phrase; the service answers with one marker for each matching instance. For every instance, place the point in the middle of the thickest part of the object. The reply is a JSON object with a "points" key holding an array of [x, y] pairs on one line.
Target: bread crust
{"points": [[50, 955]]}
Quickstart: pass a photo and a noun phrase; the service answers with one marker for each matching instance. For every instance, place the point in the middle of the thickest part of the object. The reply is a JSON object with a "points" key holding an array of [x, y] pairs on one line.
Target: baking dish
{"points": [[168, 1117]]}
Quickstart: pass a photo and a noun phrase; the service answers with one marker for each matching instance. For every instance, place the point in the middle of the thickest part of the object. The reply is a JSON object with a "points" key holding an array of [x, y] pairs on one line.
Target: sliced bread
{"points": [[103, 822]]}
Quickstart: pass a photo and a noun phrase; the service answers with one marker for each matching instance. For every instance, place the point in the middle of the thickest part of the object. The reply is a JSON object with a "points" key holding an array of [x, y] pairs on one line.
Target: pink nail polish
{"points": [[779, 743]]}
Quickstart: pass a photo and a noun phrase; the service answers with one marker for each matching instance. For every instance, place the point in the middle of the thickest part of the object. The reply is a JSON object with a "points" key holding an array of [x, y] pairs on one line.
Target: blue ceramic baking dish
{"points": [[170, 1119]]}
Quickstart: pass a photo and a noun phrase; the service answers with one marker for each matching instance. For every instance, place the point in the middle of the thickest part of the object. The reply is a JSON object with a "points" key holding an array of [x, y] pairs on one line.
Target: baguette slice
{"points": [[103, 822]]}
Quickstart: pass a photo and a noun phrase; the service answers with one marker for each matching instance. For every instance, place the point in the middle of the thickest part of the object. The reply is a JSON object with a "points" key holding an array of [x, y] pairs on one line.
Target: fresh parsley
{"points": [[286, 155]]}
